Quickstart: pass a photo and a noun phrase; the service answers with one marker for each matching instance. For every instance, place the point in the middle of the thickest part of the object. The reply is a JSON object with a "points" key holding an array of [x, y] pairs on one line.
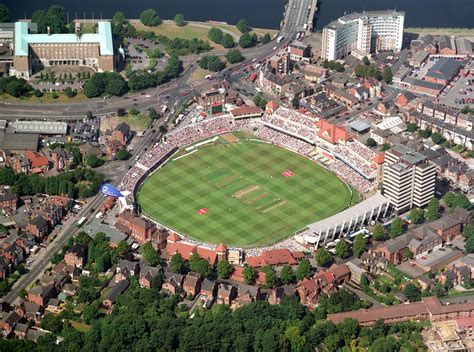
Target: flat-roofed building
{"points": [[34, 51], [408, 178], [365, 32]]}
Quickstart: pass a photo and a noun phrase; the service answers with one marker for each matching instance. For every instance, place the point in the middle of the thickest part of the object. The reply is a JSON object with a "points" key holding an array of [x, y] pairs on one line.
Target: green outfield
{"points": [[241, 194]]}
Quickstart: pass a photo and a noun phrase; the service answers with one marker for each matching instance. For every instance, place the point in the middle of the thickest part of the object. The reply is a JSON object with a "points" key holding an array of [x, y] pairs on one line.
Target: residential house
{"points": [[192, 284], [30, 311], [246, 294], [62, 159], [76, 255], [126, 265], [208, 289], [41, 294], [38, 227], [38, 163], [21, 331], [341, 273], [8, 321], [280, 293], [8, 200], [117, 290], [173, 283], [147, 273], [225, 293]]}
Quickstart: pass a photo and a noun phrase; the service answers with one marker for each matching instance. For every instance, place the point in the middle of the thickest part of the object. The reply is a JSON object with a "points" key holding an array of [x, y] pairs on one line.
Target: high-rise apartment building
{"points": [[365, 32], [408, 178]]}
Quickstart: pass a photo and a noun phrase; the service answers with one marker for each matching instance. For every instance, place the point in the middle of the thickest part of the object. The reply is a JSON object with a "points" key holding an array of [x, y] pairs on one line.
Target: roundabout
{"points": [[242, 193]]}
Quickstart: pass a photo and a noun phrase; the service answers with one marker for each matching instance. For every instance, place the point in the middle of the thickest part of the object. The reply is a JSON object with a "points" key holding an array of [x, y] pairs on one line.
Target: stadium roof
{"points": [[42, 127], [345, 216], [23, 39]]}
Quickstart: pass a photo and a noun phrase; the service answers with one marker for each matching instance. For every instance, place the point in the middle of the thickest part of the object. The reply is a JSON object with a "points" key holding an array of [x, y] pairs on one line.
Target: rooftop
{"points": [[23, 39]]}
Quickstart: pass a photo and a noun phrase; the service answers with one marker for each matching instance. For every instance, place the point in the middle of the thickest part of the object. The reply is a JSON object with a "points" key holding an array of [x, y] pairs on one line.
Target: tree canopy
{"points": [[54, 18], [397, 227], [150, 18], [234, 55], [433, 210], [360, 245], [179, 20], [150, 254], [4, 13], [211, 63], [323, 257], [243, 26]]}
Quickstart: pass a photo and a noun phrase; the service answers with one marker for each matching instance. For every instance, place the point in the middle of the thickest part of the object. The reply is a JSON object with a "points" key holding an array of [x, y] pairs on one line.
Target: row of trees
{"points": [[217, 36], [105, 83], [82, 183], [367, 71]]}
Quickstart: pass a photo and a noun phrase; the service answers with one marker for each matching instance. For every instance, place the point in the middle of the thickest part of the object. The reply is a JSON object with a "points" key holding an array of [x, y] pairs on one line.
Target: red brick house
{"points": [[121, 133], [192, 284], [8, 200], [225, 293], [118, 289], [38, 227], [208, 289], [76, 256], [275, 257], [41, 294], [147, 273], [173, 283], [38, 163], [341, 273]]}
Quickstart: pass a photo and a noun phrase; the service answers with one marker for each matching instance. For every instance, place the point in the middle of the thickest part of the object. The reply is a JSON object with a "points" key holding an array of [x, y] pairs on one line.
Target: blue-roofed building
{"points": [[34, 51]]}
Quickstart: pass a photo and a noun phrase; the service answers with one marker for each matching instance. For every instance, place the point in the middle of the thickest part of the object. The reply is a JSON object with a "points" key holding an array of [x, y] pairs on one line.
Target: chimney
{"points": [[49, 30]]}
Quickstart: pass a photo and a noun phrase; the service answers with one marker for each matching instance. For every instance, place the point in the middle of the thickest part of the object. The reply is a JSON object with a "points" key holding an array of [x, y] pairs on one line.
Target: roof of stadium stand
{"points": [[345, 216], [23, 39]]}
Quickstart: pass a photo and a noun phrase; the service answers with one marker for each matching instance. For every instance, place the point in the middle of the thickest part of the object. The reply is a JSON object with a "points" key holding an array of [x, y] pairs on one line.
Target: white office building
{"points": [[363, 33], [408, 179]]}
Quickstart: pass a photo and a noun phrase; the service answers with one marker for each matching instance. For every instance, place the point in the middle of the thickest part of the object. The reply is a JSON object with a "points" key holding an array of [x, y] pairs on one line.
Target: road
{"points": [[116, 170]]}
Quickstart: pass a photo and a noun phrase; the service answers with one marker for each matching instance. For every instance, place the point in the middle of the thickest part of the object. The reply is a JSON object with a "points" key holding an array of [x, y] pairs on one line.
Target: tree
{"points": [[52, 322], [396, 227], [432, 210], [379, 233], [227, 41], [461, 201], [249, 274], [323, 257], [38, 93], [295, 102], [424, 133], [411, 127], [133, 111], [4, 14], [149, 18], [200, 265], [103, 263], [150, 254], [246, 41], [215, 34], [94, 161], [17, 87], [449, 199], [266, 38], [152, 113], [179, 20], [469, 246], [91, 312], [123, 248], [407, 253], [68, 92], [387, 75], [304, 270], [365, 60], [360, 245], [370, 142], [286, 274], [122, 154], [417, 216], [177, 264], [224, 269], [243, 26], [270, 276], [211, 63], [234, 55], [437, 138], [364, 282], [342, 249], [412, 292]]}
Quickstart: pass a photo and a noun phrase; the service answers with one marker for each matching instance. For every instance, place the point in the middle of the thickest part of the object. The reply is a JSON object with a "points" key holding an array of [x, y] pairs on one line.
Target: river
{"points": [[259, 13]]}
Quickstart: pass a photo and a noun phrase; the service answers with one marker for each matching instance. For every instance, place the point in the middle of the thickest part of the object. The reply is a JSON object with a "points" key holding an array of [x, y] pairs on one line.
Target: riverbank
{"points": [[465, 32], [198, 30]]}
